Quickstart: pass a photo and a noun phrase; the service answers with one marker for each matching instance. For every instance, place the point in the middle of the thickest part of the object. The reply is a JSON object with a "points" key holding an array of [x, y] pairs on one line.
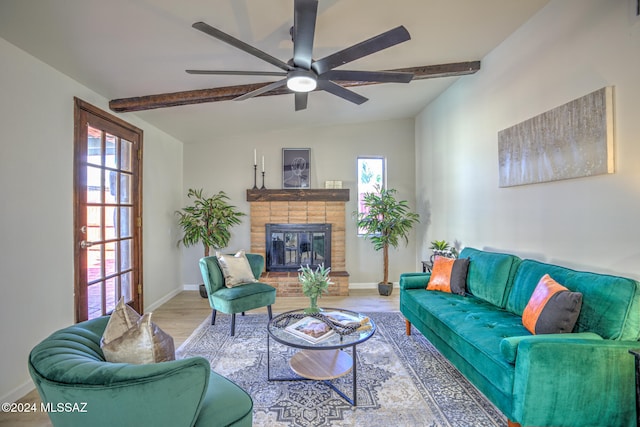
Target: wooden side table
{"points": [[636, 354], [426, 266]]}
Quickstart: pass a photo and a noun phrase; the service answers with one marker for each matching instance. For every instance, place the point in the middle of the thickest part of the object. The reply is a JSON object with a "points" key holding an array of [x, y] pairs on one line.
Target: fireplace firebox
{"points": [[288, 246]]}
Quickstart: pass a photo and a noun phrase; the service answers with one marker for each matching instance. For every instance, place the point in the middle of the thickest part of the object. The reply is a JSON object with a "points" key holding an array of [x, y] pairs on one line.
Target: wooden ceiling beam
{"points": [[150, 102]]}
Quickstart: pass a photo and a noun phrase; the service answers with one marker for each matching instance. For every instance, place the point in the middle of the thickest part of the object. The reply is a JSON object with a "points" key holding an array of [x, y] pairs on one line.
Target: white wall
{"points": [[569, 49], [228, 165], [36, 185]]}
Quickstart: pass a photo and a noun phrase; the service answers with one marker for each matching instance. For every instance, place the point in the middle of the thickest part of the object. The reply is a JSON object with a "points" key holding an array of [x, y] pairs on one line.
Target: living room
{"points": [[444, 161]]}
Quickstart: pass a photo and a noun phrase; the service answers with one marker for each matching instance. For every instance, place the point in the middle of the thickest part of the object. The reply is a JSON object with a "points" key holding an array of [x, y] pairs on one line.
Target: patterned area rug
{"points": [[401, 380]]}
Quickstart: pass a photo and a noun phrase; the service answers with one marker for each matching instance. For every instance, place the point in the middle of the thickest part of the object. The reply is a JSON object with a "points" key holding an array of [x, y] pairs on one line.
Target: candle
{"points": [[262, 163], [255, 157]]}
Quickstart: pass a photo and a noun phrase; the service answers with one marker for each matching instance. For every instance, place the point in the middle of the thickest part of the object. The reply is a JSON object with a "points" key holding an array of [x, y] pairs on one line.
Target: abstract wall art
{"points": [[571, 141]]}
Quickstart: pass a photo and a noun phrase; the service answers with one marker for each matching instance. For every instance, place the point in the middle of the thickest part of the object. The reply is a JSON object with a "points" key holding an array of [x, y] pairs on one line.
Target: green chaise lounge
{"points": [[79, 388]]}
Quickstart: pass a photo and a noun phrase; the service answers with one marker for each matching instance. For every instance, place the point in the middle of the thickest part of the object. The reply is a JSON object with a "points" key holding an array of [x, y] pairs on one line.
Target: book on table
{"points": [[310, 329]]}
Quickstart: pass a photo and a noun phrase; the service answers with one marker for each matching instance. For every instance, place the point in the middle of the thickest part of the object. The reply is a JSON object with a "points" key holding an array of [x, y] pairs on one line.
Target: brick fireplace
{"points": [[317, 206]]}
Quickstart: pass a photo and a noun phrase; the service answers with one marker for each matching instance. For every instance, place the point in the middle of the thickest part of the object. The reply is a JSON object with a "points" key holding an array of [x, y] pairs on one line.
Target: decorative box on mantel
{"points": [[300, 206]]}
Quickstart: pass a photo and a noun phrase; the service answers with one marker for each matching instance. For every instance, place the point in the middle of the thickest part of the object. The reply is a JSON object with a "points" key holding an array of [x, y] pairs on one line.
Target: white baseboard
{"points": [[367, 285], [19, 392], [187, 287], [162, 300]]}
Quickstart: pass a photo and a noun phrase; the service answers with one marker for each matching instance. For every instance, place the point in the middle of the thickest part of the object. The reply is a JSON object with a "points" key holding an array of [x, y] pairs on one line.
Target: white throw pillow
{"points": [[130, 338], [235, 269]]}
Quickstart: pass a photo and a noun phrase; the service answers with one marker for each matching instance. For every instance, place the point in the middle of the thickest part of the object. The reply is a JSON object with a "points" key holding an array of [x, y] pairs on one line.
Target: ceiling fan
{"points": [[302, 74]]}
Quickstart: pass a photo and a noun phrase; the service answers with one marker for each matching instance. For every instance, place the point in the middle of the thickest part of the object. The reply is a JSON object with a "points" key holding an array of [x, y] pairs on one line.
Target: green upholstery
{"points": [[578, 379], [610, 304], [490, 274], [237, 299], [68, 368]]}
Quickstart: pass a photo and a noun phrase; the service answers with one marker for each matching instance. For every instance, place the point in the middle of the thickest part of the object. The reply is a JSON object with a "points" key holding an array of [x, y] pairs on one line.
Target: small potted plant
{"points": [[442, 248], [314, 283], [386, 221], [208, 221]]}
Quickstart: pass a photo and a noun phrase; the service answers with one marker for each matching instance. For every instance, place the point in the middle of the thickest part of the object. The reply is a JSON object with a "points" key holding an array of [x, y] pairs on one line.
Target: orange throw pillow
{"points": [[449, 275], [552, 308], [440, 279]]}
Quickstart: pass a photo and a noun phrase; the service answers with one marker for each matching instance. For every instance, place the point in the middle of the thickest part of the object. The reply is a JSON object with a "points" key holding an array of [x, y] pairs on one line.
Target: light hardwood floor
{"points": [[187, 310]]}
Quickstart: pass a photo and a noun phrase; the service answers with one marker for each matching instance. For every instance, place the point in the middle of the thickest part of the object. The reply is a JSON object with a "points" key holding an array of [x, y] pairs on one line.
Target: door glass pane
{"points": [[111, 155], [94, 185], [95, 300], [94, 149], [110, 222], [111, 297], [111, 186], [94, 222], [110, 258], [126, 287], [94, 263], [126, 222], [125, 254], [125, 188], [125, 155]]}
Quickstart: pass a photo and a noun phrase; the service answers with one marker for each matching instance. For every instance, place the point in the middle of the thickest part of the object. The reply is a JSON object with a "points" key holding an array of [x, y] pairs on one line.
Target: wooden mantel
{"points": [[299, 195]]}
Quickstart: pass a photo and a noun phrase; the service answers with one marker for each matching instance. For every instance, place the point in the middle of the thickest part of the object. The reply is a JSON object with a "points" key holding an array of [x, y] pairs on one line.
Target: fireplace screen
{"points": [[291, 245]]}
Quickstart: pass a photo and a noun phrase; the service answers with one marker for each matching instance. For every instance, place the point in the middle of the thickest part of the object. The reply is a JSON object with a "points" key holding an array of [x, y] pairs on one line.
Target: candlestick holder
{"points": [[255, 171], [263, 187]]}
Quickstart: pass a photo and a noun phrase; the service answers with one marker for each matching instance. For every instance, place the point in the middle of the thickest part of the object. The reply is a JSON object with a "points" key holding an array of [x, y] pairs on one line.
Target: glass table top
{"points": [[280, 329]]}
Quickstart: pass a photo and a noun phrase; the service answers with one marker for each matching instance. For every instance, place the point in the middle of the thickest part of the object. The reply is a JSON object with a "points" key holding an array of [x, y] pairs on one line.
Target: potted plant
{"points": [[442, 248], [208, 221], [314, 283], [385, 222]]}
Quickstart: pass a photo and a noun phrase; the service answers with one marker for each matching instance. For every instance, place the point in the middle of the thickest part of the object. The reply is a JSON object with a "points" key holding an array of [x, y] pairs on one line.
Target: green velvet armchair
{"points": [[237, 299], [79, 388]]}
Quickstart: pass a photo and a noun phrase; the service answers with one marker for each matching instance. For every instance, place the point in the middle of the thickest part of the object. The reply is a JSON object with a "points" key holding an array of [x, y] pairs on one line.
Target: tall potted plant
{"points": [[208, 220], [386, 221]]}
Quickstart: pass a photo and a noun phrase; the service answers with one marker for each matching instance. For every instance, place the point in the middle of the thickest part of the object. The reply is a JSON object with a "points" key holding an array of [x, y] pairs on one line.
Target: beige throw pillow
{"points": [[130, 338], [235, 269]]}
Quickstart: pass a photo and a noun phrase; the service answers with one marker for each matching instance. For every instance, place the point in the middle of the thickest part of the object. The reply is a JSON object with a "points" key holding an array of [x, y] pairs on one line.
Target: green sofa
{"points": [[79, 388], [585, 378]]}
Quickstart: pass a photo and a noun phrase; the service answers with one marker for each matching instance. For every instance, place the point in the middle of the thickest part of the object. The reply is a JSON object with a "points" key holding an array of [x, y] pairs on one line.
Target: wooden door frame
{"points": [[81, 107]]}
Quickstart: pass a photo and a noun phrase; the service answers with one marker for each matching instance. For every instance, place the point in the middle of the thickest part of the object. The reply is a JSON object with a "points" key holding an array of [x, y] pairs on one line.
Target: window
{"points": [[371, 174]]}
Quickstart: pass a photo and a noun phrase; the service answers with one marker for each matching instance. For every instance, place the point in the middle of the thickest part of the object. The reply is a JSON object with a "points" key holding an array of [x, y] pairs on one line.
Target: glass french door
{"points": [[108, 229]]}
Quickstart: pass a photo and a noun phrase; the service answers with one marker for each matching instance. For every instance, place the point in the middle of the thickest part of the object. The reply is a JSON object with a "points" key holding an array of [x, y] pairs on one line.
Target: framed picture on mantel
{"points": [[296, 168]]}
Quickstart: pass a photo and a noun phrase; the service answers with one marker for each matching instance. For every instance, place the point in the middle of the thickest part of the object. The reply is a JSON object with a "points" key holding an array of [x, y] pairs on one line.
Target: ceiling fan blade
{"points": [[262, 90], [304, 28], [301, 100], [237, 73], [367, 76], [214, 32], [357, 51], [343, 93]]}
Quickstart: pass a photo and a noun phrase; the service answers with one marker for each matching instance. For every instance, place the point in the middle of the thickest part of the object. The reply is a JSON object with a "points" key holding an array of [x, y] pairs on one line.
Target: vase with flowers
{"points": [[314, 283]]}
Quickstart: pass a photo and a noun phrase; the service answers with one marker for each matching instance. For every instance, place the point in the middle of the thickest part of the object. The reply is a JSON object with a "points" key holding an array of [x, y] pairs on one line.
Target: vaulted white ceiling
{"points": [[127, 48]]}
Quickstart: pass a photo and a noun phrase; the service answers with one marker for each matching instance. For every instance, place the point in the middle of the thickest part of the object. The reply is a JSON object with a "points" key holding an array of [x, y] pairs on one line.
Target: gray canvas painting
{"points": [[570, 141]]}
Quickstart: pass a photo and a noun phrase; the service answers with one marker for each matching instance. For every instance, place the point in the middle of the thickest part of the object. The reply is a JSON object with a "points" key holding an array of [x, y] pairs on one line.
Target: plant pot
{"points": [[385, 289], [203, 291]]}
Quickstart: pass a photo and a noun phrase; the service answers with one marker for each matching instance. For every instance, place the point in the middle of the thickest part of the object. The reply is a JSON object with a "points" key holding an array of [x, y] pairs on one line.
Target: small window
{"points": [[371, 175]]}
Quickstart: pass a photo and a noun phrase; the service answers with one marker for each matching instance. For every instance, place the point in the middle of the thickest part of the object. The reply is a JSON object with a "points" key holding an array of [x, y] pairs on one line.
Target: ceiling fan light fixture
{"points": [[301, 81]]}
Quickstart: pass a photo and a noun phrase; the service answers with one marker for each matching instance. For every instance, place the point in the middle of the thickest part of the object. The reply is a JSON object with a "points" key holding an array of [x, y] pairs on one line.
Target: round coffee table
{"points": [[325, 359]]}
